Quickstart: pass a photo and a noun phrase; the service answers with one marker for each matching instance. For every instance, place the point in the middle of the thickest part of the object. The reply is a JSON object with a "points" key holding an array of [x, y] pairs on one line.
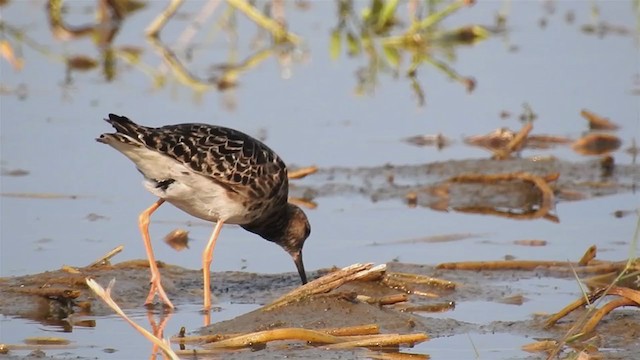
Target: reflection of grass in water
{"points": [[109, 16], [371, 34], [379, 31]]}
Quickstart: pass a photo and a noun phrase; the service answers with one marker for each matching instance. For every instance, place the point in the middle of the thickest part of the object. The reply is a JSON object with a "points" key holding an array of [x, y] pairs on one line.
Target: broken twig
{"points": [[328, 283], [104, 260], [105, 295]]}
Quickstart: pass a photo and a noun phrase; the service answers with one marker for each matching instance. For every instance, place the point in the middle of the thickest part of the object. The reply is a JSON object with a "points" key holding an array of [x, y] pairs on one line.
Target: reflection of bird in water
{"points": [[216, 174]]}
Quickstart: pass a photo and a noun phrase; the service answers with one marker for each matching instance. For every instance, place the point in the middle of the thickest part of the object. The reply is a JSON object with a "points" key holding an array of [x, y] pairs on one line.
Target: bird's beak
{"points": [[297, 259]]}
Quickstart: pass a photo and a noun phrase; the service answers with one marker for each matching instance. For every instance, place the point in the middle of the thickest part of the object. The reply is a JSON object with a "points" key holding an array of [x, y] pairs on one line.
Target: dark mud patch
{"points": [[52, 294], [576, 181], [618, 333]]}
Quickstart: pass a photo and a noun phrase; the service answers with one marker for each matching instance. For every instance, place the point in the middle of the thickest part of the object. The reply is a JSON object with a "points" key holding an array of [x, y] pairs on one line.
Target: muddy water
{"points": [[308, 112]]}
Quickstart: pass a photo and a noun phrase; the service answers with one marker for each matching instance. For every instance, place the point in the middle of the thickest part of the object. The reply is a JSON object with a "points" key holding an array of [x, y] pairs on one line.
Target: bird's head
{"points": [[296, 232]]}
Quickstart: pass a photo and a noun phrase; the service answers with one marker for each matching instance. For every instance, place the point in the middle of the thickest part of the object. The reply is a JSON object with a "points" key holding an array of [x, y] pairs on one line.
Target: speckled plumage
{"points": [[217, 174], [242, 165]]}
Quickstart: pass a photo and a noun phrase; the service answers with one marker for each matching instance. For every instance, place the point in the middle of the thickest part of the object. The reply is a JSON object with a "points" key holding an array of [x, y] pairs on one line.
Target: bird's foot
{"points": [[156, 287]]}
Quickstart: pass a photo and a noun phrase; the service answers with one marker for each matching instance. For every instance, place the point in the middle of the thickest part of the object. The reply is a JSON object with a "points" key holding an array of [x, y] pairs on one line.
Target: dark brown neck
{"points": [[271, 227]]}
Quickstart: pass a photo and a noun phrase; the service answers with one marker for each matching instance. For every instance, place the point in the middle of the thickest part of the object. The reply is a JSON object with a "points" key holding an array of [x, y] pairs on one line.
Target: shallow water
{"points": [[112, 338], [472, 346], [311, 117]]}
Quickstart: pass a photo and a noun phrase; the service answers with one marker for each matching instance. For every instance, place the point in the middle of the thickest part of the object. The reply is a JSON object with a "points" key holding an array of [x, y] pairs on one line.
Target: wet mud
{"points": [[576, 180], [56, 297]]}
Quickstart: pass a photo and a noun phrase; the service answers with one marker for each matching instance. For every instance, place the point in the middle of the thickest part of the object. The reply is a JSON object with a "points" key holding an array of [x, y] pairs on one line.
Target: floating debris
{"points": [[558, 266], [626, 297], [329, 282], [411, 199], [540, 346], [503, 141], [530, 242], [105, 259], [439, 141], [95, 217], [177, 239], [622, 213], [517, 299], [14, 172], [46, 341], [430, 308], [81, 63], [494, 140], [302, 172], [597, 144], [40, 196], [367, 329], [597, 122]]}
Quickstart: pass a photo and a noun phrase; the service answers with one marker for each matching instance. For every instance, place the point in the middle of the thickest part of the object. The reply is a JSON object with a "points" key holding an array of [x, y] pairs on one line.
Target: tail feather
{"points": [[127, 132], [123, 125]]}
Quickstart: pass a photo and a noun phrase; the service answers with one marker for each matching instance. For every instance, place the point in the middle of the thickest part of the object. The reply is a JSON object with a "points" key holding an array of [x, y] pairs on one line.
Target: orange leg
{"points": [[156, 286], [207, 256]]}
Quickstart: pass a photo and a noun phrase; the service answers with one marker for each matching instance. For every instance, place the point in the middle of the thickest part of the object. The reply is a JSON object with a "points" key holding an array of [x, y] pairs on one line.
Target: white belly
{"points": [[202, 198], [193, 193]]}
